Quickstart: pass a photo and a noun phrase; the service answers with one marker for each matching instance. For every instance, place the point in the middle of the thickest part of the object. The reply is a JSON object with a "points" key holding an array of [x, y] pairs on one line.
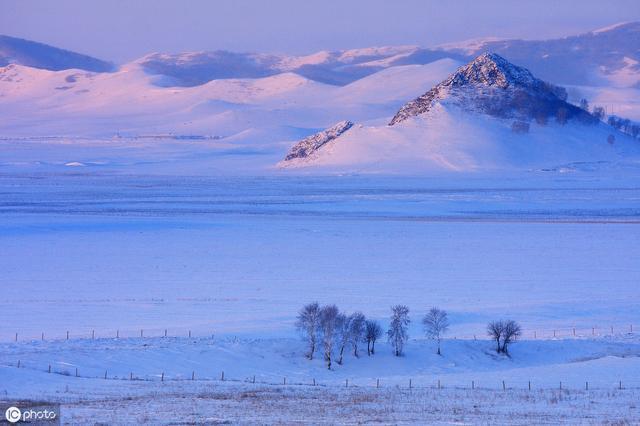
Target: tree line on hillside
{"points": [[331, 333], [562, 112]]}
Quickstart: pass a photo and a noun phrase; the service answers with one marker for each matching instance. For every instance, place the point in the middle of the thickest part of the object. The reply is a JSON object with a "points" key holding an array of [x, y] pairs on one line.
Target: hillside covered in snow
{"points": [[487, 115], [223, 111]]}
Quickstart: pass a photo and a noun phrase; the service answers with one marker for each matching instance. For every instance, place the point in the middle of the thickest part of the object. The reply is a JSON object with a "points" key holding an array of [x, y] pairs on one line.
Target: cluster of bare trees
{"points": [[331, 332], [503, 332], [622, 124]]}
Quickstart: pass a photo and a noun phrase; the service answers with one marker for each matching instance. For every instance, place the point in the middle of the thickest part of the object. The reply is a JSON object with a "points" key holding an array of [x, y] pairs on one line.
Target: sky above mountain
{"points": [[122, 30]]}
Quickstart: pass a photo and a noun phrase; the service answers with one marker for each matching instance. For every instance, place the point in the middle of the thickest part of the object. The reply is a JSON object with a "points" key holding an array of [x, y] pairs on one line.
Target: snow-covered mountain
{"points": [[488, 115], [609, 56], [38, 55], [490, 84], [259, 105], [337, 67]]}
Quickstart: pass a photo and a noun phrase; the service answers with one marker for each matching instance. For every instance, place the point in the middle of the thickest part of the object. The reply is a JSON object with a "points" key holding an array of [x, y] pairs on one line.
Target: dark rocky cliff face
{"points": [[310, 144]]}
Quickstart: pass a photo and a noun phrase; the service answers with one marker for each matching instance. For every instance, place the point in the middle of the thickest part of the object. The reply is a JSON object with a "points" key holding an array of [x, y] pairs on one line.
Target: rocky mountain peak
{"points": [[490, 69], [492, 85]]}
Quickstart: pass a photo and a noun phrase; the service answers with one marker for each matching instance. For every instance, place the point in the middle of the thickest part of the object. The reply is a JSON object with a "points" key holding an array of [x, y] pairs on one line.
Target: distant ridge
{"points": [[38, 55]]}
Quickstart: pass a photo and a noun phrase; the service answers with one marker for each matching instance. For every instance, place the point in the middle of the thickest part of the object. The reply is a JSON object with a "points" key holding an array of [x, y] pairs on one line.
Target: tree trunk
{"points": [[341, 352], [368, 347], [355, 351], [439, 347], [373, 347]]}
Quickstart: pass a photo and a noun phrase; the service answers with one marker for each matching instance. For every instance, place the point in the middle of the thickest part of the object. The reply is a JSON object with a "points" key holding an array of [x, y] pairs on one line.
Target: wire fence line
{"points": [[527, 334], [361, 383]]}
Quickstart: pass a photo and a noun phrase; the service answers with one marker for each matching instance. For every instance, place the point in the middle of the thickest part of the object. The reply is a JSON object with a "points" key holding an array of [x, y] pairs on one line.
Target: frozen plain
{"points": [[234, 257]]}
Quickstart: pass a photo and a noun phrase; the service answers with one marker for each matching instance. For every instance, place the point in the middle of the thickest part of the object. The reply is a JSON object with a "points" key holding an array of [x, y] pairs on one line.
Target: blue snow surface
{"points": [[239, 255]]}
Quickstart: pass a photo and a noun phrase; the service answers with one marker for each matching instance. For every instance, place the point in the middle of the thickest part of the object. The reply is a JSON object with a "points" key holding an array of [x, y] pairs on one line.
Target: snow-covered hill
{"points": [[488, 115], [261, 104], [38, 55], [608, 56], [131, 102]]}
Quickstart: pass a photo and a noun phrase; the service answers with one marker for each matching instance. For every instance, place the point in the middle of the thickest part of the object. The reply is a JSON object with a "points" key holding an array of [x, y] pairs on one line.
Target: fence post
{"points": [[162, 377], [222, 376], [409, 383], [49, 368], [554, 333], [93, 334], [586, 385], [593, 331], [105, 374], [189, 334], [574, 331], [620, 385], [284, 380], [346, 383], [76, 371], [529, 384], [314, 381], [503, 386], [165, 332], [18, 363], [612, 330], [254, 379], [377, 383], [131, 376], [560, 385], [43, 335], [473, 384], [117, 334], [535, 335], [438, 383], [193, 375], [141, 333], [16, 337], [67, 335]]}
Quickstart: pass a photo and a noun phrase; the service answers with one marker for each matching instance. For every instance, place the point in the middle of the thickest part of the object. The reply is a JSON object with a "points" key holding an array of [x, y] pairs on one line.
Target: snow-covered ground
{"points": [[240, 255], [215, 402], [130, 209], [231, 260]]}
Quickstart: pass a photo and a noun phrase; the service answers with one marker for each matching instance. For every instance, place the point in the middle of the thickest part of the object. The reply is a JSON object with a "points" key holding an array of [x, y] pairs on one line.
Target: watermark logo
{"points": [[13, 414], [31, 412]]}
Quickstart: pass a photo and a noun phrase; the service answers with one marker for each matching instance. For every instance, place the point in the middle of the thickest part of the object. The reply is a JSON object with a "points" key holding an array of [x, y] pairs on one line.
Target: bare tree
{"points": [[343, 330], [372, 333], [511, 331], [307, 323], [584, 104], [436, 324], [495, 330], [505, 331], [398, 328], [562, 116], [356, 330], [598, 113], [328, 325]]}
